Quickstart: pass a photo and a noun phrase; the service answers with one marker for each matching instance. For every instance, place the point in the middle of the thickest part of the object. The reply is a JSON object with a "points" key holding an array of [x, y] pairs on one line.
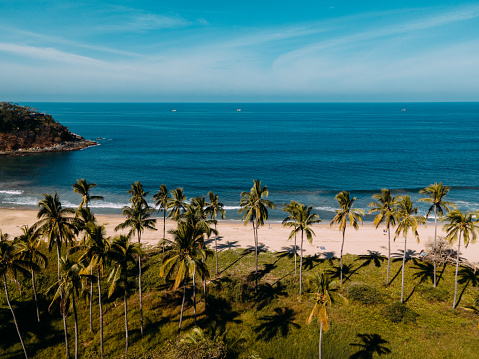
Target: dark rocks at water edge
{"points": [[25, 130]]}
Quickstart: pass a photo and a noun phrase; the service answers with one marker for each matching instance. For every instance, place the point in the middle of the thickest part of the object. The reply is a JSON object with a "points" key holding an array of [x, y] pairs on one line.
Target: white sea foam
{"points": [[326, 209], [102, 204], [11, 191], [22, 201]]}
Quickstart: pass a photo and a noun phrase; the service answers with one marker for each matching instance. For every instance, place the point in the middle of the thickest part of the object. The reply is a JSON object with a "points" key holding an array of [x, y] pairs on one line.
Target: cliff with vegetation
{"points": [[24, 129]]}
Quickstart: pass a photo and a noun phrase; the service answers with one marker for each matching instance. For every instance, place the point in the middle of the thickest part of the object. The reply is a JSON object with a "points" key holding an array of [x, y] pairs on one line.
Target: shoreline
{"points": [[272, 236], [61, 147]]}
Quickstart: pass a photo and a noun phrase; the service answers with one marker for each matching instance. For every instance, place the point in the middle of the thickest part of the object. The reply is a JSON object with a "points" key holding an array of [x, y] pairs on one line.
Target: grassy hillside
{"points": [[271, 320]]}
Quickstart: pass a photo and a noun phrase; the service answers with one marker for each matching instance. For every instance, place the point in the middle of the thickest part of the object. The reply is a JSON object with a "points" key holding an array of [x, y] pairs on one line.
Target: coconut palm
{"points": [[385, 208], [122, 253], [291, 208], [9, 265], [460, 224], [138, 220], [436, 193], [301, 219], [97, 255], [138, 195], [407, 219], [161, 200], [325, 296], [185, 259], [59, 229], [255, 210], [343, 214], [68, 289], [82, 187], [214, 208], [176, 203], [27, 247]]}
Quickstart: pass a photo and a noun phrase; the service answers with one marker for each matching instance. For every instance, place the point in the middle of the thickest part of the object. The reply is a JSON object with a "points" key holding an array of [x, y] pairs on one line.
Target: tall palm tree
{"points": [[138, 195], [68, 289], [9, 265], [255, 210], [343, 214], [461, 224], [122, 253], [436, 193], [58, 228], [292, 208], [27, 247], [301, 220], [385, 208], [138, 220], [407, 219], [185, 259], [324, 297], [82, 187], [97, 255], [161, 200], [176, 203], [214, 208]]}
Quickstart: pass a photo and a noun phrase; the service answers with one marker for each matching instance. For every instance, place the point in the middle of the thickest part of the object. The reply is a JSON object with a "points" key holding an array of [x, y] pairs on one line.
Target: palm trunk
{"points": [[35, 296], [255, 230], [301, 267], [320, 338], [101, 314], [126, 320], [435, 235], [76, 325], [204, 288], [13, 314], [67, 348], [164, 231], [341, 259], [194, 295], [91, 302], [403, 266], [216, 250], [454, 304], [139, 288], [182, 306], [389, 255], [295, 262]]}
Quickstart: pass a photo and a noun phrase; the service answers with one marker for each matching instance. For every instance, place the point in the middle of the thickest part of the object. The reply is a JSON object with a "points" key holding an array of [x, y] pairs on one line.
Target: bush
{"points": [[364, 293], [398, 312]]}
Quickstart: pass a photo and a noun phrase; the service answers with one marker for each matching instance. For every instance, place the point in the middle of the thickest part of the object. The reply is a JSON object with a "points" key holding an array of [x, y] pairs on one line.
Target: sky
{"points": [[239, 51]]}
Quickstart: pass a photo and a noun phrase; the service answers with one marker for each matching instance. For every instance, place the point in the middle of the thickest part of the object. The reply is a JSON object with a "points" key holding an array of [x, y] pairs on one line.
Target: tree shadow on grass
{"points": [[240, 257], [370, 344], [309, 262], [373, 257], [395, 260], [348, 272], [266, 293], [255, 276], [288, 252], [218, 314], [278, 323], [466, 276]]}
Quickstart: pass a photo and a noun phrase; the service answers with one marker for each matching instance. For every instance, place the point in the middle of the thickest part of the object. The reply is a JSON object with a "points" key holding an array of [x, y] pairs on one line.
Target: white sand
{"points": [[233, 234]]}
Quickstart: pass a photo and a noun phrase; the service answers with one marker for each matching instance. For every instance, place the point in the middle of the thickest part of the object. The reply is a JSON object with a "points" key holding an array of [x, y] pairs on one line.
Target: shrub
{"points": [[398, 312], [364, 293]]}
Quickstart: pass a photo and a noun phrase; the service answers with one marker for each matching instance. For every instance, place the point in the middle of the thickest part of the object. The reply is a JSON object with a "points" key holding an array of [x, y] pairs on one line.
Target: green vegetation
{"points": [[251, 313], [23, 127]]}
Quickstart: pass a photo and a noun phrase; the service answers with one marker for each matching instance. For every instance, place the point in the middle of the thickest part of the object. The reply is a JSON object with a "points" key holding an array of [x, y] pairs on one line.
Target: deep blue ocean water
{"points": [[306, 152]]}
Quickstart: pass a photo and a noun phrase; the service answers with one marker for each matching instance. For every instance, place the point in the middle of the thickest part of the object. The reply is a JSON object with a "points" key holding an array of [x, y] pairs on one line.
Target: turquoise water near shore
{"points": [[306, 152]]}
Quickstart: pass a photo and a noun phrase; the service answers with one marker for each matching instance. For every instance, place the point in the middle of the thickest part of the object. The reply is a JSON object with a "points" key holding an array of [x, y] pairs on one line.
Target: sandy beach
{"points": [[273, 236]]}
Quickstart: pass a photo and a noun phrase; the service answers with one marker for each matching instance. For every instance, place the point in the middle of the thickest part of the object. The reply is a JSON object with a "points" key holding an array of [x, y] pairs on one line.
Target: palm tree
{"points": [[58, 228], [138, 195], [186, 258], [407, 219], [97, 254], [324, 297], [461, 224], [343, 214], [82, 187], [255, 210], [27, 247], [213, 209], [301, 219], [436, 193], [138, 220], [161, 200], [176, 203], [67, 289], [122, 253], [9, 265], [384, 206], [291, 208]]}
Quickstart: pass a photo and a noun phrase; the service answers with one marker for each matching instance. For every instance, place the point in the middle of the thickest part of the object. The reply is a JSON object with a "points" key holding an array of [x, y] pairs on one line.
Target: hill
{"points": [[25, 129]]}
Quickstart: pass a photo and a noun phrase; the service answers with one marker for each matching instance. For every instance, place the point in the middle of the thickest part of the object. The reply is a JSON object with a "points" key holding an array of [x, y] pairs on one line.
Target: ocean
{"points": [[306, 152]]}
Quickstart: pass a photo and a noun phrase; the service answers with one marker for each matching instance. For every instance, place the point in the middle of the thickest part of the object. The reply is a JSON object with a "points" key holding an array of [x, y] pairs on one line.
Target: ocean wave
{"points": [[11, 191], [22, 201], [325, 209], [101, 204]]}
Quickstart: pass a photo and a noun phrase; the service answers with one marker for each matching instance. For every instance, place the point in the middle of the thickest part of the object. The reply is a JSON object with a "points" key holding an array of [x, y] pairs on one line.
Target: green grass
{"points": [[272, 320]]}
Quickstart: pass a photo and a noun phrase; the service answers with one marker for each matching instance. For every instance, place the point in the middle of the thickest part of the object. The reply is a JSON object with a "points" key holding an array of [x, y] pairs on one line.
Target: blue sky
{"points": [[217, 51]]}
